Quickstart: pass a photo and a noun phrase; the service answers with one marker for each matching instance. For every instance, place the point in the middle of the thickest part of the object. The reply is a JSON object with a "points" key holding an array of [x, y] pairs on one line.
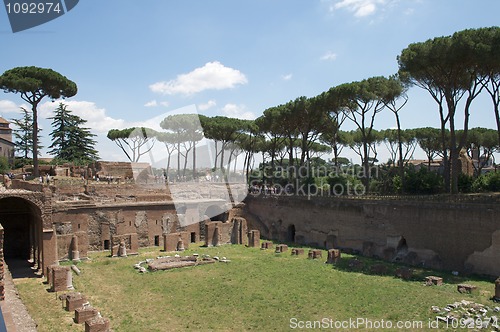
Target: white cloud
{"points": [[287, 77], [7, 106], [212, 76], [237, 111], [151, 103], [360, 8], [209, 104], [329, 56], [96, 117], [154, 103]]}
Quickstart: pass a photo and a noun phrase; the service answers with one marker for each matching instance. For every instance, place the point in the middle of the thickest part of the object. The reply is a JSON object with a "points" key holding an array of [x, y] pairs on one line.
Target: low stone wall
{"points": [[462, 236], [25, 185]]}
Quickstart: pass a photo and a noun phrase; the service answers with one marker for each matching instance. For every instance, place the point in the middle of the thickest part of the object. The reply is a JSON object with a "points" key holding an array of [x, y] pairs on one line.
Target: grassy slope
{"points": [[258, 290]]}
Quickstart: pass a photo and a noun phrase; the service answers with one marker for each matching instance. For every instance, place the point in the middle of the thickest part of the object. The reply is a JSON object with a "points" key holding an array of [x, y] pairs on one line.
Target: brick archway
{"points": [[22, 224], [27, 233]]}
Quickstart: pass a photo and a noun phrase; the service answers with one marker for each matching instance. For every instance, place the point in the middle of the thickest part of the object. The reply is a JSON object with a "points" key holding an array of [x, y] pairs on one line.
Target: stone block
{"points": [[333, 256], [314, 253], [281, 248], [467, 289], [74, 301], [254, 238], [84, 314], [297, 251], [60, 278], [267, 245], [433, 280], [97, 324]]}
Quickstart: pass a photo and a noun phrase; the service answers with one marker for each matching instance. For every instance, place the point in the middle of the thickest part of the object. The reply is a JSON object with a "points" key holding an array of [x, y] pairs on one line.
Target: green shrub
{"points": [[4, 165], [423, 181], [487, 182]]}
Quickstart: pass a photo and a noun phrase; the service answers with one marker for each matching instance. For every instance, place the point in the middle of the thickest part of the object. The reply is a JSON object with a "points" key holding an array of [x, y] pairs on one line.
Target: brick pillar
{"points": [[74, 301], [49, 247], [170, 241], [97, 324], [84, 314], [333, 256], [254, 238], [60, 278]]}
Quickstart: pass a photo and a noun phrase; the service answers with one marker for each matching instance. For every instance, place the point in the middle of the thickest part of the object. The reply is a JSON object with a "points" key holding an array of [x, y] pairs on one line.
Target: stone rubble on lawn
{"points": [[468, 313]]}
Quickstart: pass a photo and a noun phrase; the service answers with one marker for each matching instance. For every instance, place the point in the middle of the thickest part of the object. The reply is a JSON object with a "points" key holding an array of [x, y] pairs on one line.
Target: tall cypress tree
{"points": [[24, 134], [70, 140]]}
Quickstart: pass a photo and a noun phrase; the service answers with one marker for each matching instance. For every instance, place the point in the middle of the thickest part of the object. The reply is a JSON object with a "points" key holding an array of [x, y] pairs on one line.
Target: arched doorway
{"points": [[290, 233], [21, 221]]}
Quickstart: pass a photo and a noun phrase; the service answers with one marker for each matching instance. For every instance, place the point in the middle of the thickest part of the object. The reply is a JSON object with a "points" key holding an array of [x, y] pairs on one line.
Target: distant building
{"points": [[6, 144], [435, 165]]}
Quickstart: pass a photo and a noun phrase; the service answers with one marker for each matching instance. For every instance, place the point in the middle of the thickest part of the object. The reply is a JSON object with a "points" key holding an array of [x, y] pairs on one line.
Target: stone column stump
{"points": [[254, 238], [433, 280], [281, 248], [60, 278], [314, 253], [333, 256], [266, 245], [97, 324], [84, 314], [74, 301]]}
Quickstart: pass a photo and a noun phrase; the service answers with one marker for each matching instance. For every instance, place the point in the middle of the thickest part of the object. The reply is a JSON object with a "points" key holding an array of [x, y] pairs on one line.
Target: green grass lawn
{"points": [[258, 290]]}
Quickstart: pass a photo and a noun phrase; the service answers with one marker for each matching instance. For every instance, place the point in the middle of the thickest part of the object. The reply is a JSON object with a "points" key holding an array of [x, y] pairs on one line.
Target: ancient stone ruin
{"points": [[333, 256], [281, 248], [433, 280], [297, 251], [314, 254], [467, 289], [168, 263], [267, 245]]}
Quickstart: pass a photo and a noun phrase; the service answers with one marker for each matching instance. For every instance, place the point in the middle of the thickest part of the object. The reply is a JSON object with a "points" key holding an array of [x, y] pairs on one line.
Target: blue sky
{"points": [[133, 61]]}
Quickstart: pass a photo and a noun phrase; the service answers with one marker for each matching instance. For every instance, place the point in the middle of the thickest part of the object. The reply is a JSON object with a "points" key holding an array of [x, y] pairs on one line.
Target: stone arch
{"points": [[402, 245], [22, 220]]}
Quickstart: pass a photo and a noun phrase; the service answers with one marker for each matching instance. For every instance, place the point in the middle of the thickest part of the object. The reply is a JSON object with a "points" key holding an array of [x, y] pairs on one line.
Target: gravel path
{"points": [[20, 316]]}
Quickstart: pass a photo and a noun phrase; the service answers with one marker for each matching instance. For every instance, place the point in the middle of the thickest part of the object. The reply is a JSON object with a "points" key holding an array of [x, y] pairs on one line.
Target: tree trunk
{"points": [[400, 146], [36, 171], [194, 161], [366, 166]]}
